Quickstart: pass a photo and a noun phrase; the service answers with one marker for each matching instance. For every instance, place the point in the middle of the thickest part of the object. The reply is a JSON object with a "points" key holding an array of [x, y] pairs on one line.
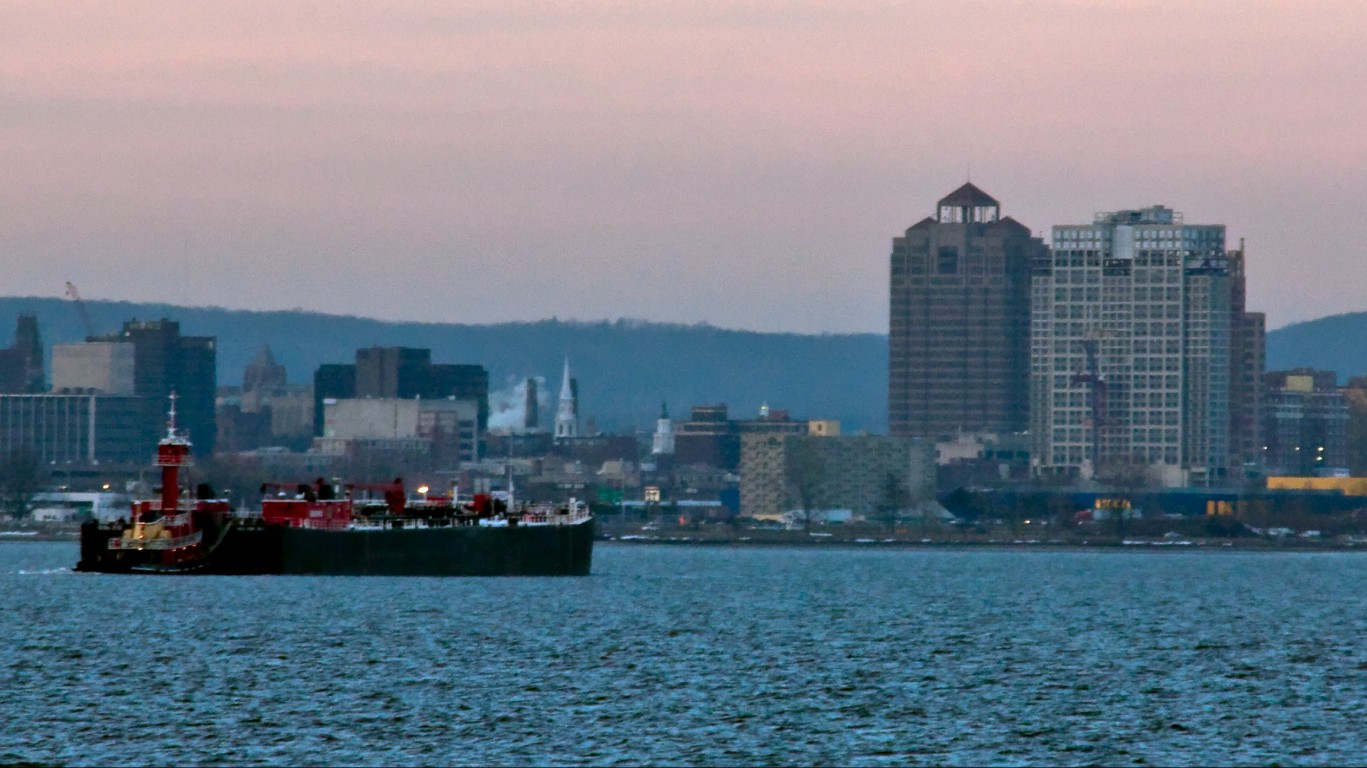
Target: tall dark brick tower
{"points": [[163, 361], [959, 321]]}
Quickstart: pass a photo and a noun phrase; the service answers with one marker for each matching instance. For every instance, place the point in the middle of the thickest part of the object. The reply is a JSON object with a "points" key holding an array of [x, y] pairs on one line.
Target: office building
{"points": [[864, 474], [94, 366], [163, 361], [21, 365], [400, 372], [166, 362], [263, 375], [63, 430], [1248, 350], [1305, 424], [447, 431], [1137, 348], [959, 322], [710, 437]]}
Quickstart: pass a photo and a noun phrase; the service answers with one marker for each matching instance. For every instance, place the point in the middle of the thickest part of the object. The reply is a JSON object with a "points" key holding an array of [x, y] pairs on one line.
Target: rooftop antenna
{"points": [[171, 422], [969, 175]]}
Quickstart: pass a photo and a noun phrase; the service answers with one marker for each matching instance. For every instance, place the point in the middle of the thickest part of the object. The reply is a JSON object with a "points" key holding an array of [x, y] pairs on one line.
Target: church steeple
{"points": [[567, 412], [663, 442]]}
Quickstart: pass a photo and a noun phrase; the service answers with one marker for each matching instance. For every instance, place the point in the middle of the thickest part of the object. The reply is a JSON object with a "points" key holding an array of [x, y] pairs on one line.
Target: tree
{"points": [[20, 478], [895, 500], [803, 467]]}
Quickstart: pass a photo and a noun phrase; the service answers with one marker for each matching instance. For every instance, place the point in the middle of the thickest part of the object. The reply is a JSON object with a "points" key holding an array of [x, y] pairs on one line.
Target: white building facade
{"points": [[1131, 350], [100, 366], [448, 427]]}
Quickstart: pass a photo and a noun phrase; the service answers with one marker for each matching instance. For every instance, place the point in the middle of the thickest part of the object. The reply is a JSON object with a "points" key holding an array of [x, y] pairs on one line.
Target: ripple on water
{"points": [[672, 655]]}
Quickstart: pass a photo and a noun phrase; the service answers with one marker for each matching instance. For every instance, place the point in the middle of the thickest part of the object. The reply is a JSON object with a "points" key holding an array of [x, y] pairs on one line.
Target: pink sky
{"points": [[740, 163]]}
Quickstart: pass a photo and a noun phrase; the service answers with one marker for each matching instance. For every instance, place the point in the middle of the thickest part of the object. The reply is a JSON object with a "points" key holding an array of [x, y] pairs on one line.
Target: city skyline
{"points": [[738, 164]]}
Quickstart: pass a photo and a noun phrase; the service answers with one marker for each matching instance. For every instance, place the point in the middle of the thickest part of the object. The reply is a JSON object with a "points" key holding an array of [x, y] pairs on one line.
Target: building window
{"points": [[948, 262]]}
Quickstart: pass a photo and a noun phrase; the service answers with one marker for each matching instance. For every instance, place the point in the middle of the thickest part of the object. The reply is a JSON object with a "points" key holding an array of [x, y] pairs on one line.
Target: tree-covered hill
{"points": [[625, 368], [1335, 343]]}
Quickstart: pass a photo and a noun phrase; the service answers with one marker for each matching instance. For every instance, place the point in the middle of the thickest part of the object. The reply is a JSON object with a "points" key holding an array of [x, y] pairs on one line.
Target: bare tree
{"points": [[20, 478], [895, 500], [803, 470]]}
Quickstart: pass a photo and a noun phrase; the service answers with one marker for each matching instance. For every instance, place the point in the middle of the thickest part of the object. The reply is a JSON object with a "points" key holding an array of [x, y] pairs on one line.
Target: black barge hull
{"points": [[551, 550]]}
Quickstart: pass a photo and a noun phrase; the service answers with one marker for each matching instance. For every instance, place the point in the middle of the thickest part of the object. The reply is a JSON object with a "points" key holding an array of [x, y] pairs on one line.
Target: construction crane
{"points": [[1097, 384], [72, 294]]}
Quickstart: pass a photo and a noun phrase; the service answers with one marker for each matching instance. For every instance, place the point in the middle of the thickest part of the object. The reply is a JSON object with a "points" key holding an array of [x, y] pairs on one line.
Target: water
{"points": [[673, 655]]}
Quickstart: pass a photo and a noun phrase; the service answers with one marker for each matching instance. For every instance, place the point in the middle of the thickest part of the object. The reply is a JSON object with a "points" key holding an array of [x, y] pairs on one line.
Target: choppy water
{"points": [[671, 655]]}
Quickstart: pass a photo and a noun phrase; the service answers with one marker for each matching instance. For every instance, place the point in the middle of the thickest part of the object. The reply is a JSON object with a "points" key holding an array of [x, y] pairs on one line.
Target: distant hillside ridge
{"points": [[1334, 343], [625, 368]]}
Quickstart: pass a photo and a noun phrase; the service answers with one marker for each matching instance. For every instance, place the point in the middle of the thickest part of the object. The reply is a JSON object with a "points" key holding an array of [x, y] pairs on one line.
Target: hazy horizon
{"points": [[742, 164]]}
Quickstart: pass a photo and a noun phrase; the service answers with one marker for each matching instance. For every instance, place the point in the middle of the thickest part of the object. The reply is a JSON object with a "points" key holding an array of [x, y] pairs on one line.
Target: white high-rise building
{"points": [[1131, 337]]}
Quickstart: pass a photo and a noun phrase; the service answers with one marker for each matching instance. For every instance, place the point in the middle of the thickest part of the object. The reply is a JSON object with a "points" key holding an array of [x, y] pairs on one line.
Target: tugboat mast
{"points": [[173, 452]]}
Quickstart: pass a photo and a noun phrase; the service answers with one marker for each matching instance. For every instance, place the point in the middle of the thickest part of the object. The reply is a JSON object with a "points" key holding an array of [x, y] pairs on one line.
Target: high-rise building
{"points": [[21, 365], [148, 360], [263, 374], [400, 372], [959, 323], [531, 407], [80, 429], [463, 381], [1136, 351], [164, 361], [93, 366], [445, 431], [1248, 349], [1305, 424], [332, 381], [392, 372]]}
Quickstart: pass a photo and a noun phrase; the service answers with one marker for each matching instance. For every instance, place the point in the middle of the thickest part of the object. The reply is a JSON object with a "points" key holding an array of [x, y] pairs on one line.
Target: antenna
{"points": [[171, 425]]}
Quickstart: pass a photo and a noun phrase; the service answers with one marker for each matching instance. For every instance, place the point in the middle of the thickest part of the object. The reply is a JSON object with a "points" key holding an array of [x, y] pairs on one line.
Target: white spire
{"points": [[663, 442], [566, 392], [566, 414]]}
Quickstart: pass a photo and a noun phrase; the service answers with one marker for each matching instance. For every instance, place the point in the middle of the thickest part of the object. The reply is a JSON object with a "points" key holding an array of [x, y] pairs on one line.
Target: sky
{"points": [[741, 163]]}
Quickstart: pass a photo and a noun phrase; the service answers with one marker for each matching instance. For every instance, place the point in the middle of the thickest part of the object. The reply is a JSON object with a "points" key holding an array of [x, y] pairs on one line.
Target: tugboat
{"points": [[325, 529]]}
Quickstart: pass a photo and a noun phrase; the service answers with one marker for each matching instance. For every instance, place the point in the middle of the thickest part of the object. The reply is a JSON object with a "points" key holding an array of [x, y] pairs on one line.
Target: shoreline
{"points": [[70, 533], [1131, 545]]}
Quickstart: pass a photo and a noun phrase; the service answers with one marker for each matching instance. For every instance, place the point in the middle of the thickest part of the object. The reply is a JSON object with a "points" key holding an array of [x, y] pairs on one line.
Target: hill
{"points": [[625, 368], [1335, 343]]}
